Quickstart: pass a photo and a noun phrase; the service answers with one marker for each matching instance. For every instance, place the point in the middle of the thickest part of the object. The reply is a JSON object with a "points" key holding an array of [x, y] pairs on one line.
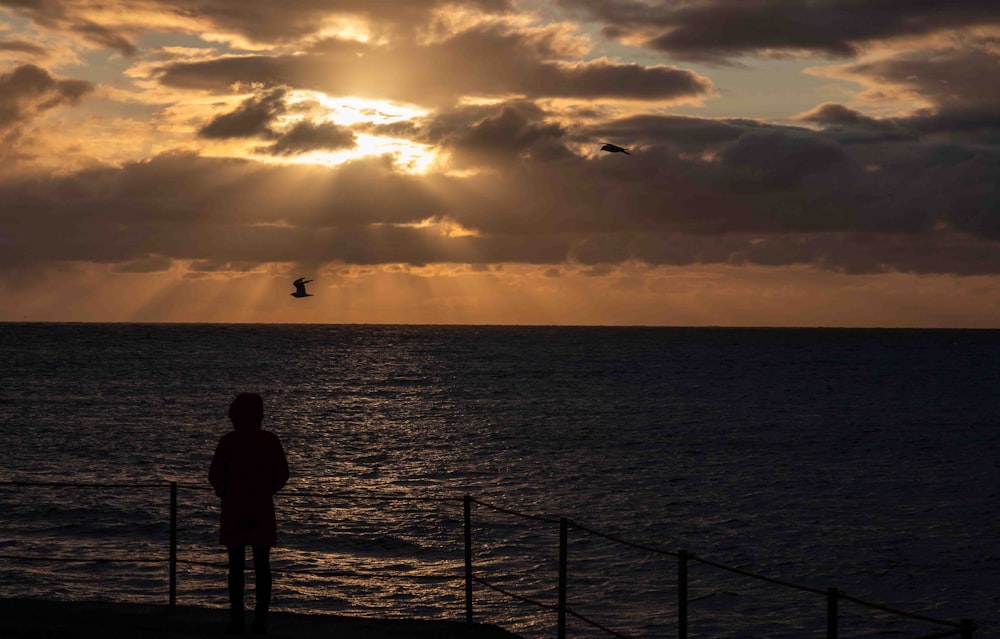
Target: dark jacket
{"points": [[248, 467]]}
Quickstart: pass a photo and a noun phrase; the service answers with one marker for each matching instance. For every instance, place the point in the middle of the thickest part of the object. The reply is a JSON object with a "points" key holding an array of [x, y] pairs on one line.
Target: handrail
{"points": [[964, 628]]}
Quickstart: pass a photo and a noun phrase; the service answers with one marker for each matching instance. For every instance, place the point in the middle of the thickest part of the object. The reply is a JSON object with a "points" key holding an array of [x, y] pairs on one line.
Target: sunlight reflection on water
{"points": [[830, 458]]}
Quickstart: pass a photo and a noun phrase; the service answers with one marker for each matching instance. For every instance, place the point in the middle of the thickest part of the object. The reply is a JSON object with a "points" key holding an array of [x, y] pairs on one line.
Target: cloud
{"points": [[144, 264], [853, 127], [29, 90], [253, 118], [955, 82], [257, 117], [479, 135], [260, 21], [308, 136], [104, 37], [776, 159], [481, 61], [837, 114], [516, 112], [717, 30], [257, 23], [946, 76], [696, 191], [74, 18], [23, 46]]}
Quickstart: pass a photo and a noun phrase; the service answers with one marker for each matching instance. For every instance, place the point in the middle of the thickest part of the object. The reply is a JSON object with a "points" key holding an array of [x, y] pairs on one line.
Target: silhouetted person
{"points": [[248, 467]]}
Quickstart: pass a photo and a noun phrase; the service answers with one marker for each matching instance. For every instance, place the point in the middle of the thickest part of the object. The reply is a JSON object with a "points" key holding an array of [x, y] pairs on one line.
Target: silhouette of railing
{"points": [[964, 628]]}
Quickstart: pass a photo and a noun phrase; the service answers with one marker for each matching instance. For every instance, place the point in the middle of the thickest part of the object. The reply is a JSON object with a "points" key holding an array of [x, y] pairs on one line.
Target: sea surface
{"points": [[862, 460]]}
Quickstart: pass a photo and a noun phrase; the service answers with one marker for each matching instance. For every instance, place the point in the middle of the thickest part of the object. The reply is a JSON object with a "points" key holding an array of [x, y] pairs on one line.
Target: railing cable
{"points": [[901, 613], [62, 484], [80, 560], [507, 511], [747, 573], [624, 542], [964, 628], [512, 595], [942, 635], [593, 623], [353, 496]]}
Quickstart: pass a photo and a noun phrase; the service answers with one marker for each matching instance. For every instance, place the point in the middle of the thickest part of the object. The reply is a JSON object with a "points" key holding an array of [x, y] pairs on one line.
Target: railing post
{"points": [[467, 501], [173, 544], [831, 613], [561, 610], [682, 594]]}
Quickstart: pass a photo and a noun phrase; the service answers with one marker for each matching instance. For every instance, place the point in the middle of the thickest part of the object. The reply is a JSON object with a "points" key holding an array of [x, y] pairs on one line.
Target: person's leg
{"points": [[262, 573], [236, 582]]}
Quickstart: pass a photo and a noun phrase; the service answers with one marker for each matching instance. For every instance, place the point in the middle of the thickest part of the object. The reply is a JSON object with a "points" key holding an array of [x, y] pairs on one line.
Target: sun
{"points": [[364, 116], [408, 156]]}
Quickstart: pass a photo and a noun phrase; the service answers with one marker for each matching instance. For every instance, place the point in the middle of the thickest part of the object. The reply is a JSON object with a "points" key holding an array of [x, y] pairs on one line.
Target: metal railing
{"points": [[833, 596]]}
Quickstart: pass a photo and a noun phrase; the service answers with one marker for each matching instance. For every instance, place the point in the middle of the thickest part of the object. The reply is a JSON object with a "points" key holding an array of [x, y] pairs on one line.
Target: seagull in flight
{"points": [[300, 288], [614, 148]]}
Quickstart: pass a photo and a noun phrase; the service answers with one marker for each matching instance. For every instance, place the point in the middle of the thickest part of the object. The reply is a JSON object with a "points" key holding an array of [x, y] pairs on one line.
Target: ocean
{"points": [[864, 460]]}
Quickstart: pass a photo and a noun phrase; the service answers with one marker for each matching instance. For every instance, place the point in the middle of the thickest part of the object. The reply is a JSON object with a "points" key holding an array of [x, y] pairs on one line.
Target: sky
{"points": [[793, 162]]}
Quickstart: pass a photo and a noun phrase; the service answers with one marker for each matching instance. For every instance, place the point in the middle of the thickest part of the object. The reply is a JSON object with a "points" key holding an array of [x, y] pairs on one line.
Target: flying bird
{"points": [[614, 148], [300, 288]]}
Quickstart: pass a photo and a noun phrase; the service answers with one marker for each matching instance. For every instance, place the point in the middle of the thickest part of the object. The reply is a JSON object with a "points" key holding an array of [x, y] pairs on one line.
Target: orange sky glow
{"points": [[792, 163]]}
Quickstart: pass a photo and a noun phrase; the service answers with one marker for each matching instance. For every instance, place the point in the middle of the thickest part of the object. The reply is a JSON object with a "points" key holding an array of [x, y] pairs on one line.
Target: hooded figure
{"points": [[248, 467]]}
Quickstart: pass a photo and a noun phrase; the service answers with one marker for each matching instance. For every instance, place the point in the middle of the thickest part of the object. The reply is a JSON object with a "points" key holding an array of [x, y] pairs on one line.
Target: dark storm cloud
{"points": [[215, 211], [719, 179], [479, 61], [29, 90], [776, 159], [253, 118], [719, 29], [694, 191], [972, 124]]}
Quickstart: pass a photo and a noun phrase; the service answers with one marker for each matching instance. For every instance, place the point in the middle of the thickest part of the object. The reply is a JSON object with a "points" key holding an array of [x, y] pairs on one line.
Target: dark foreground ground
{"points": [[38, 619]]}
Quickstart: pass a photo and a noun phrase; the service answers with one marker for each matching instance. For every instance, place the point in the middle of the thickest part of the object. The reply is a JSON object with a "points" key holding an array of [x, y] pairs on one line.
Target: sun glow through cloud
{"points": [[407, 156], [450, 155], [353, 110], [359, 114]]}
